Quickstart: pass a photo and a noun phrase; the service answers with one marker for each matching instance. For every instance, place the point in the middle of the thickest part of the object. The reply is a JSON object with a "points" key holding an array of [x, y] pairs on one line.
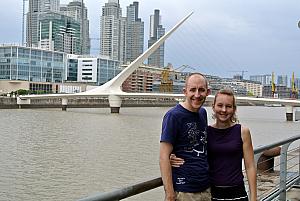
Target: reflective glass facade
{"points": [[28, 64], [107, 69], [60, 33]]}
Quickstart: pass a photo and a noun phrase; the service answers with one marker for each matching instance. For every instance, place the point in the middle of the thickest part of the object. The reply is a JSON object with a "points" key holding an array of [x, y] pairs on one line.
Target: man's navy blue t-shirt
{"points": [[186, 131]]}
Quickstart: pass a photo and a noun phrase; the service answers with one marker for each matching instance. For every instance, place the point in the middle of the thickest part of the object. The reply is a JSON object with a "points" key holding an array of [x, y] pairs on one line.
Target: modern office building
{"points": [[89, 69], [35, 9], [80, 14], [134, 33], [31, 64], [156, 32], [38, 69], [30, 68], [282, 80], [112, 31], [59, 32], [44, 15], [107, 69], [263, 79]]}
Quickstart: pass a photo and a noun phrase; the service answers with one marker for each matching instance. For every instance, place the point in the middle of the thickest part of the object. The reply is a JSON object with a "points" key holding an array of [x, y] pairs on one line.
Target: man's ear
{"points": [[184, 90], [208, 91]]}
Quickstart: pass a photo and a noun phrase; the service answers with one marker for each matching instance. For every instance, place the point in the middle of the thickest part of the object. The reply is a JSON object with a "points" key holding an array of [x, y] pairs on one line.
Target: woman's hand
{"points": [[175, 161]]}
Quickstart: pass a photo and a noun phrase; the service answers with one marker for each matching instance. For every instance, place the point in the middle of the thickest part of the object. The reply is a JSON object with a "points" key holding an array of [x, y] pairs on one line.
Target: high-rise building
{"points": [[44, 15], [111, 30], [80, 14], [35, 9], [156, 32], [282, 80], [59, 33], [121, 38], [134, 33]]}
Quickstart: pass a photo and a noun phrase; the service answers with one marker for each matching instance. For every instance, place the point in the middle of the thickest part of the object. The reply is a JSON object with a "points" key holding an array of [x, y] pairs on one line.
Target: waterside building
{"points": [[49, 71]]}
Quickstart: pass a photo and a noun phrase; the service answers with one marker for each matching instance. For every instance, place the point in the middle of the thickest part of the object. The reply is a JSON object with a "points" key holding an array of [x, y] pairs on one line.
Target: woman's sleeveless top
{"points": [[225, 153]]}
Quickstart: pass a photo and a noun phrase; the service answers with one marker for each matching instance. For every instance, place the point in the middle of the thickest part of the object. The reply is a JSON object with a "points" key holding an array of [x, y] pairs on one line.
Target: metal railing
{"points": [[286, 170], [278, 191]]}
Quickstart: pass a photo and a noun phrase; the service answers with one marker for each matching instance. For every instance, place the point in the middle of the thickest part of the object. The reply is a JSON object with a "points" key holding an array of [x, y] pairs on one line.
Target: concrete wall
{"points": [[7, 102], [7, 86]]}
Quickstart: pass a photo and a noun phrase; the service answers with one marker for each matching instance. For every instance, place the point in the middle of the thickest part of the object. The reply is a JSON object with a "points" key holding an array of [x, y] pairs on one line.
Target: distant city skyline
{"points": [[253, 36]]}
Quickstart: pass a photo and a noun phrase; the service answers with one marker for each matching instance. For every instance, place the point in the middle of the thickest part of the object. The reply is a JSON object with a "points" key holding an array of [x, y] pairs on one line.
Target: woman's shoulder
{"points": [[245, 132], [245, 129]]}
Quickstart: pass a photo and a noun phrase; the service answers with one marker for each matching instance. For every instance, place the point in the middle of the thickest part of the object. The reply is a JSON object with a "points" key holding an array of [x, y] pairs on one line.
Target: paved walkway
{"points": [[293, 194]]}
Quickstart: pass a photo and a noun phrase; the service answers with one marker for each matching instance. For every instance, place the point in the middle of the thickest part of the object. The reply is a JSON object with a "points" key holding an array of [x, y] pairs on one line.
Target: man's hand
{"points": [[170, 196]]}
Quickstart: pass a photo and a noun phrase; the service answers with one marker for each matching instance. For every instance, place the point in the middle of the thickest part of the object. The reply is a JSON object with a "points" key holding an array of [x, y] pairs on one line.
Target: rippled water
{"points": [[47, 154]]}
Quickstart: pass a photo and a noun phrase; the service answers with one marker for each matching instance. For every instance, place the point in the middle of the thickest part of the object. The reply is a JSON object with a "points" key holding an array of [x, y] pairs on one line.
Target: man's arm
{"points": [[166, 170]]}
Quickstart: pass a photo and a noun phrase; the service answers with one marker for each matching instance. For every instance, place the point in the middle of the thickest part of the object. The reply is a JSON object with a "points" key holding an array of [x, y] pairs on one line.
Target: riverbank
{"points": [[11, 103]]}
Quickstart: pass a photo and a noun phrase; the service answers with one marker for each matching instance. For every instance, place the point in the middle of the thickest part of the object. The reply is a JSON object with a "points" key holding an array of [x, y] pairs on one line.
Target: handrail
{"points": [[154, 183], [126, 192], [260, 149]]}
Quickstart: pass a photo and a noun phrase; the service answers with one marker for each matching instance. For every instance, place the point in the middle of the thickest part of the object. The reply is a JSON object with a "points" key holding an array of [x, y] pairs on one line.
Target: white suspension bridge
{"points": [[112, 89]]}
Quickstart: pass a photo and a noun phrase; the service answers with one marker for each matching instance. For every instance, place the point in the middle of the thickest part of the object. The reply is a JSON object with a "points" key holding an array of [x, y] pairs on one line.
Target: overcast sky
{"points": [[254, 36]]}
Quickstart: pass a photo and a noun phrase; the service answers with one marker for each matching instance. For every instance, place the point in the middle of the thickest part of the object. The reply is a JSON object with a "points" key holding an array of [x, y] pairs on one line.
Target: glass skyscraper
{"points": [[134, 33], [59, 33], [35, 9], [156, 32], [45, 15], [80, 14]]}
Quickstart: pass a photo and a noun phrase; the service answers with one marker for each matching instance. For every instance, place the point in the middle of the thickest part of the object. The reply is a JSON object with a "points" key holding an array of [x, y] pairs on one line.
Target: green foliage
{"points": [[27, 92], [22, 92], [250, 93]]}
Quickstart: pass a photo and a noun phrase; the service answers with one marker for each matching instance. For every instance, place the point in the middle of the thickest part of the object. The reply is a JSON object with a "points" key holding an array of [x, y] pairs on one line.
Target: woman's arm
{"points": [[175, 161], [249, 162]]}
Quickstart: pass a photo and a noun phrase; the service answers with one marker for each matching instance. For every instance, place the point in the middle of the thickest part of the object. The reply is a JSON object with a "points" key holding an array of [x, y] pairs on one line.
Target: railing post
{"points": [[283, 171], [298, 182]]}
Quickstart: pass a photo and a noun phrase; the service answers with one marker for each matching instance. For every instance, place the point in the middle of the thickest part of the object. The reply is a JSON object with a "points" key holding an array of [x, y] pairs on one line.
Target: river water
{"points": [[48, 154]]}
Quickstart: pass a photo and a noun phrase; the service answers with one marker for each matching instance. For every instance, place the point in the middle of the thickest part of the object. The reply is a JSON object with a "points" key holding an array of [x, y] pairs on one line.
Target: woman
{"points": [[227, 143]]}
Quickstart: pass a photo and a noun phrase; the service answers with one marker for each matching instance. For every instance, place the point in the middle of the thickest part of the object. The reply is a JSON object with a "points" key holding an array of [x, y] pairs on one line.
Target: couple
{"points": [[200, 162]]}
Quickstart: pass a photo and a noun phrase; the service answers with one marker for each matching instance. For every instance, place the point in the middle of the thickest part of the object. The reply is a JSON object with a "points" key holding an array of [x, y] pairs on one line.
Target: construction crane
{"points": [[183, 67], [168, 75], [166, 84], [273, 87], [242, 72], [294, 89]]}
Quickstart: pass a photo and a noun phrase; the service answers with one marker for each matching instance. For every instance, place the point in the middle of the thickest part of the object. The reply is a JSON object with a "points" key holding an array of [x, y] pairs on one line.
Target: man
{"points": [[184, 134]]}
